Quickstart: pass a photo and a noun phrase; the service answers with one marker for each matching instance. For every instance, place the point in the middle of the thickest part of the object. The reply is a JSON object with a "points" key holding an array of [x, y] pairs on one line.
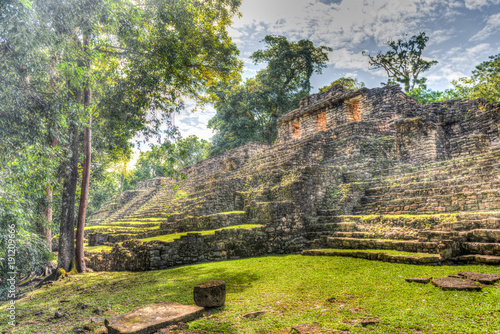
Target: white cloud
{"points": [[346, 59], [478, 4], [339, 25], [194, 123], [437, 37], [458, 62], [492, 27]]}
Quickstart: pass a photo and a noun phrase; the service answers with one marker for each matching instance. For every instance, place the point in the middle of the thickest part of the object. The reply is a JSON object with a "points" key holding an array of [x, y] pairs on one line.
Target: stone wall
{"points": [[341, 106], [133, 255]]}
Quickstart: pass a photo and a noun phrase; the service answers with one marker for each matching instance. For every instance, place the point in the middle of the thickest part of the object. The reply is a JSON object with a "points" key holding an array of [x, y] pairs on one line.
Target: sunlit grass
{"points": [[334, 292]]}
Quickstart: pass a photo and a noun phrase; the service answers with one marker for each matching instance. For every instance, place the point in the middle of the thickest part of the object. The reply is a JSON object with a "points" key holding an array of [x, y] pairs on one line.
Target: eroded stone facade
{"points": [[342, 155]]}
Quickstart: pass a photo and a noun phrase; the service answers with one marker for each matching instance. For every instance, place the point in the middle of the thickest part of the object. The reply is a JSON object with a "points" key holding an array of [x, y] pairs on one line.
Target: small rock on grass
{"points": [[306, 329], [255, 314], [58, 315], [98, 311], [367, 322], [82, 306], [423, 280]]}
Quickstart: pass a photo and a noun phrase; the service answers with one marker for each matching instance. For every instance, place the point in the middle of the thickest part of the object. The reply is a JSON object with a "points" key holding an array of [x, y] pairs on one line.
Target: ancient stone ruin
{"points": [[369, 173]]}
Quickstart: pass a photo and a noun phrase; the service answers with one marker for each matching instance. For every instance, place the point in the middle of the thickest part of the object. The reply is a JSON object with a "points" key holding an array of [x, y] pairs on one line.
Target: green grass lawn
{"points": [[172, 237], [293, 288]]}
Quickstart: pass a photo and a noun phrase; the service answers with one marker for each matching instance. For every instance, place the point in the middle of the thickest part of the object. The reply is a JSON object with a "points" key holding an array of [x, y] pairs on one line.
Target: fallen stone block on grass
{"points": [[480, 277], [452, 283], [149, 319], [423, 280]]}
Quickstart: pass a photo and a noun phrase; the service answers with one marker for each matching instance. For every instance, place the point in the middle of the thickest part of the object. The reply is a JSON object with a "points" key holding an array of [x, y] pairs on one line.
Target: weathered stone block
{"points": [[149, 319], [210, 294]]}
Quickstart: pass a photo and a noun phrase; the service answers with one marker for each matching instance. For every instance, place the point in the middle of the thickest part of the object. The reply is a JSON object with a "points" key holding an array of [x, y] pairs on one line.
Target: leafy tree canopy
{"points": [[484, 82], [403, 63], [168, 159], [249, 111], [347, 83]]}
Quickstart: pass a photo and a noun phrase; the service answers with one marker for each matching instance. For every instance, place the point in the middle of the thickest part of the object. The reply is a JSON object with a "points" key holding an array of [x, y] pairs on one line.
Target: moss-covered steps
{"points": [[379, 255], [170, 237]]}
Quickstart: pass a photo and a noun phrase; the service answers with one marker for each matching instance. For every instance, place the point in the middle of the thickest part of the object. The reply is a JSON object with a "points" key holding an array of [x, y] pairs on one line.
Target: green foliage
{"points": [[426, 96], [141, 57], [347, 83], [403, 63], [168, 159], [484, 82], [103, 186], [249, 111], [20, 202]]}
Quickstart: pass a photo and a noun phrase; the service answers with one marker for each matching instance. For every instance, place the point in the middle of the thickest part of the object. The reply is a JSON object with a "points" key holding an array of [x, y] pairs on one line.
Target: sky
{"points": [[462, 34]]}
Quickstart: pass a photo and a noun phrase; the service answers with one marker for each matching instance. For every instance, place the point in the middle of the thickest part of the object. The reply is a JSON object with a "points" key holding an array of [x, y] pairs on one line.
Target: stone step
{"points": [[486, 200], [479, 259], [328, 213], [482, 235], [467, 225], [436, 236], [357, 235], [484, 169], [435, 189], [401, 170], [420, 259], [340, 226], [481, 248], [399, 245], [132, 205], [380, 187]]}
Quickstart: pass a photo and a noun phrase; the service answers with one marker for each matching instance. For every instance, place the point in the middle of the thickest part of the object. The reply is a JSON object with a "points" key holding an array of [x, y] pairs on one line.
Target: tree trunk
{"points": [[67, 230], [122, 178], [47, 212], [84, 194]]}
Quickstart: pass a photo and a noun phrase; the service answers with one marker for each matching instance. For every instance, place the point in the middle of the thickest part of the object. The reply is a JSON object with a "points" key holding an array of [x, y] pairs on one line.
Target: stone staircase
{"points": [[470, 184], [461, 237], [448, 208], [132, 205]]}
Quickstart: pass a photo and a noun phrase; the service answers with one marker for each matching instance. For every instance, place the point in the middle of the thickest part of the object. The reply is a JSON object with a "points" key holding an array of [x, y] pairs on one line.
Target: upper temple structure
{"points": [[350, 170]]}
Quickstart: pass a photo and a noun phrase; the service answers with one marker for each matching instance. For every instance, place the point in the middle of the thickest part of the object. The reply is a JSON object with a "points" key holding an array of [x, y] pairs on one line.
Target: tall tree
{"points": [[484, 82], [30, 123], [138, 57], [249, 111], [403, 63]]}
